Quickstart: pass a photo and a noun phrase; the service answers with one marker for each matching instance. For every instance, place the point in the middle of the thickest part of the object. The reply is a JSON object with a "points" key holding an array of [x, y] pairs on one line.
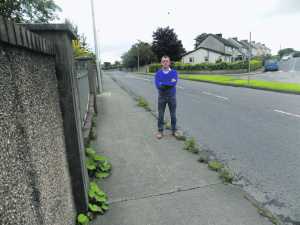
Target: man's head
{"points": [[165, 62]]}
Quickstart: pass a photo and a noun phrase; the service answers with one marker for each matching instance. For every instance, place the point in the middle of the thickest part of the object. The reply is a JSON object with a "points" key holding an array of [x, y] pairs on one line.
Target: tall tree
{"points": [[29, 11], [165, 42], [143, 51]]}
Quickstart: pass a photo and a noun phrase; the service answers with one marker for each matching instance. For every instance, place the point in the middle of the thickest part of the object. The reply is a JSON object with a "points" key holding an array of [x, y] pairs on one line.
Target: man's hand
{"points": [[166, 87]]}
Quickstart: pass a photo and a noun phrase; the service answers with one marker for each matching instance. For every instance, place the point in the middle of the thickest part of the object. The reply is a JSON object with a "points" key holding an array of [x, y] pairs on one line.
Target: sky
{"points": [[122, 23]]}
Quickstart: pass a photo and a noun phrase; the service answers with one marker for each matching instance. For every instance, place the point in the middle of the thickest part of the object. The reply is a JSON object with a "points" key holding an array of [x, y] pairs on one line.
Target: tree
{"points": [[117, 63], [106, 65], [143, 51], [165, 42], [80, 45], [285, 51], [29, 11], [199, 39]]}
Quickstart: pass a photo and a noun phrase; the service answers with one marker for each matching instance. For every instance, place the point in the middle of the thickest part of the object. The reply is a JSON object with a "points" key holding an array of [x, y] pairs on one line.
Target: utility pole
{"points": [[98, 62], [138, 56], [249, 59], [138, 60]]}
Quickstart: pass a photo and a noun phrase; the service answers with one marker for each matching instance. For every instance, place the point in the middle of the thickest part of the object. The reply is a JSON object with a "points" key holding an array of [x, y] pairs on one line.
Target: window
{"points": [[206, 59], [191, 59]]}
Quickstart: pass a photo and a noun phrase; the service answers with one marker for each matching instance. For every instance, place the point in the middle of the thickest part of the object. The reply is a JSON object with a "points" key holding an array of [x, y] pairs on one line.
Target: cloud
{"points": [[288, 6]]}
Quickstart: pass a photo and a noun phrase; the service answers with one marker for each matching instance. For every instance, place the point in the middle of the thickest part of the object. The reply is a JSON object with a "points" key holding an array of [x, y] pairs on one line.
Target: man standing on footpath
{"points": [[165, 81]]}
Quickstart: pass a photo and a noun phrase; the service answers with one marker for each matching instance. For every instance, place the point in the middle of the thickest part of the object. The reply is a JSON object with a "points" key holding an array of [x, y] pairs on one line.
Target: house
{"points": [[242, 49], [262, 50], [250, 45], [212, 48]]}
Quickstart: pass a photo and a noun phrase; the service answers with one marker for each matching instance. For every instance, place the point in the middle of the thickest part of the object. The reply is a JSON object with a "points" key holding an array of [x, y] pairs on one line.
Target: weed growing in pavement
{"points": [[98, 166], [83, 219], [215, 165], [226, 175], [191, 146], [143, 103]]}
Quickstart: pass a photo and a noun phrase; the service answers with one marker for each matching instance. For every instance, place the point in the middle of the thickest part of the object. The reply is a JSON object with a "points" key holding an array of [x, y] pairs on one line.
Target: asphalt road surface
{"points": [[257, 133], [289, 71]]}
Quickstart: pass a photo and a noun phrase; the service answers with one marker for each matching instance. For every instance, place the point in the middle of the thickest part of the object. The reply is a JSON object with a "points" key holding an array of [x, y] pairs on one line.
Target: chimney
{"points": [[219, 35], [235, 38]]}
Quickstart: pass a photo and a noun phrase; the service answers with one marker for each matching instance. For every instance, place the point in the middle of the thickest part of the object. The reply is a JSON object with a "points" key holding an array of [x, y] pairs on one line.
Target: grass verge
{"points": [[235, 81]]}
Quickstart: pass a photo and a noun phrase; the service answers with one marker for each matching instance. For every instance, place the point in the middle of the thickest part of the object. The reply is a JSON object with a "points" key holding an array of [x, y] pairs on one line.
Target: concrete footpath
{"points": [[155, 182]]}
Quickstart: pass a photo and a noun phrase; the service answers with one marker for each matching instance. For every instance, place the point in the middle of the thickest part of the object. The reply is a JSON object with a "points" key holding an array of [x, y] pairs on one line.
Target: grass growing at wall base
{"points": [[235, 81]]}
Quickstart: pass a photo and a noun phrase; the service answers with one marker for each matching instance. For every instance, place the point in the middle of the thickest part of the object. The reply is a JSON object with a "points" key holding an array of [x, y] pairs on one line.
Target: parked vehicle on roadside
{"points": [[286, 57], [271, 65]]}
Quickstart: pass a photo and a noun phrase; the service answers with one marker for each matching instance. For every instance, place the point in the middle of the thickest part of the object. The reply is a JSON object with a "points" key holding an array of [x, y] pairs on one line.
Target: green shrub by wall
{"points": [[255, 64]]}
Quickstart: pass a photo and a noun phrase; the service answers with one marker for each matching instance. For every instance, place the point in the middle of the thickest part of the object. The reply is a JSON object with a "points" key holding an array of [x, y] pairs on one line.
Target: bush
{"points": [[255, 64], [296, 54]]}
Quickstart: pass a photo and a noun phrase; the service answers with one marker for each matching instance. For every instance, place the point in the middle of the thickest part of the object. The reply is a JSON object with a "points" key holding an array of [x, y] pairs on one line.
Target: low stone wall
{"points": [[35, 187]]}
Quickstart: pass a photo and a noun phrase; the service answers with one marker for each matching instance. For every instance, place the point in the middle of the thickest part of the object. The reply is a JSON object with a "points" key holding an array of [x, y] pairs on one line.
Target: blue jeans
{"points": [[163, 101]]}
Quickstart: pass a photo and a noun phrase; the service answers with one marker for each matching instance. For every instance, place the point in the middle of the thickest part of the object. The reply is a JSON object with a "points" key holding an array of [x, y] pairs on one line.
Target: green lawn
{"points": [[238, 82]]}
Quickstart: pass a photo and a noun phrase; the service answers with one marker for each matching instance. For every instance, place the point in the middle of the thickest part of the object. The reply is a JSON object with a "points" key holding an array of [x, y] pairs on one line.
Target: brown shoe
{"points": [[159, 135]]}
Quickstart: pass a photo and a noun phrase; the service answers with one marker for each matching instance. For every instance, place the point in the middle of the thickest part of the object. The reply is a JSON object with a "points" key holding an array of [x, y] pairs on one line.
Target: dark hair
{"points": [[166, 56]]}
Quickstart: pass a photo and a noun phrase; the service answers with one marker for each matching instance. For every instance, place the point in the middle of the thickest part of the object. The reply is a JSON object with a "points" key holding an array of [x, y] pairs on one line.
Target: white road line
{"points": [[287, 113], [217, 96], [138, 78]]}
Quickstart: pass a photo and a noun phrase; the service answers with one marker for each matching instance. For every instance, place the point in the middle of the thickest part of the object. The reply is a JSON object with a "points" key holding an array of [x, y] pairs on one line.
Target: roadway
{"points": [[257, 133]]}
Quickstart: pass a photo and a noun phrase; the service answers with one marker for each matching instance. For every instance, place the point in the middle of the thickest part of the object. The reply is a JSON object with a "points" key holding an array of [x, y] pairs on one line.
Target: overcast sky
{"points": [[121, 23]]}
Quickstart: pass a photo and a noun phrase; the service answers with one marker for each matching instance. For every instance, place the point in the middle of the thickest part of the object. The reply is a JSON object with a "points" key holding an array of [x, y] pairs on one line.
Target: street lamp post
{"points": [[98, 63], [249, 59], [138, 56], [138, 60]]}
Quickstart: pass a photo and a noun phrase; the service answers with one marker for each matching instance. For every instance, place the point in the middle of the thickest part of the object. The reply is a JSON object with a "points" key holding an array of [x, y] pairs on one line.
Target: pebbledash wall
{"points": [[43, 179]]}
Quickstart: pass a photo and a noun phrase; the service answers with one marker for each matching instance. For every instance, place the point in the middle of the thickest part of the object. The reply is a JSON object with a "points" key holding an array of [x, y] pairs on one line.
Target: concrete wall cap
{"points": [[61, 27]]}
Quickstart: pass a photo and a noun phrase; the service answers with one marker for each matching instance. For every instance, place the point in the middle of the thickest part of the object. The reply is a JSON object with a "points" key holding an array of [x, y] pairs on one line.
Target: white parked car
{"points": [[286, 57]]}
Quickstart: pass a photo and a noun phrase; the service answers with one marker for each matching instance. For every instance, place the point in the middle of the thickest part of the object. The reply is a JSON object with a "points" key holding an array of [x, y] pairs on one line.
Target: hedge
{"points": [[255, 64]]}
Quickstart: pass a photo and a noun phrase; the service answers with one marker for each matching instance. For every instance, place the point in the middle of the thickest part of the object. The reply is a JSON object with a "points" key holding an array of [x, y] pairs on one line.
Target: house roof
{"points": [[244, 44], [235, 43], [212, 50], [223, 40]]}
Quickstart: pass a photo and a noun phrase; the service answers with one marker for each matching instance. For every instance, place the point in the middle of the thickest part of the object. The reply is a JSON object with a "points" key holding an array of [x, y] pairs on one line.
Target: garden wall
{"points": [[42, 173]]}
